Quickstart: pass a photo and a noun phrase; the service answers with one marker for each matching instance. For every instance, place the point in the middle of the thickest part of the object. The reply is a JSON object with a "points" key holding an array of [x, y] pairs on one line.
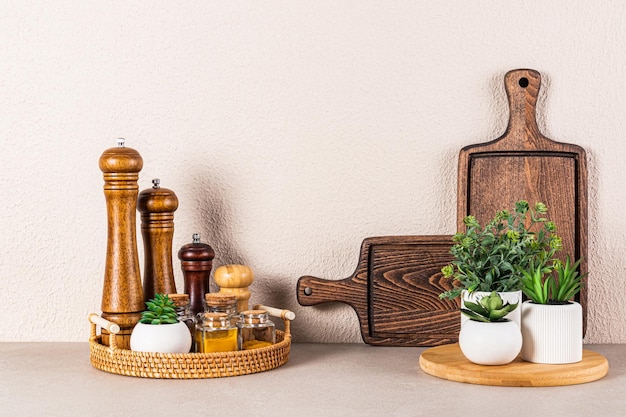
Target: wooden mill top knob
{"points": [[121, 159], [235, 279], [196, 251], [157, 199], [233, 276]]}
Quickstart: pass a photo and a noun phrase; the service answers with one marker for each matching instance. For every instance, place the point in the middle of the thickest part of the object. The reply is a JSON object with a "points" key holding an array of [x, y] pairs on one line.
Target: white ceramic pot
{"points": [[511, 297], [163, 338], [552, 334], [495, 343]]}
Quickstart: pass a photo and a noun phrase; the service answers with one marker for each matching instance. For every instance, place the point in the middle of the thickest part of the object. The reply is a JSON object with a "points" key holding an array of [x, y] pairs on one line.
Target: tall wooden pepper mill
{"points": [[157, 206], [235, 279], [122, 295], [196, 262]]}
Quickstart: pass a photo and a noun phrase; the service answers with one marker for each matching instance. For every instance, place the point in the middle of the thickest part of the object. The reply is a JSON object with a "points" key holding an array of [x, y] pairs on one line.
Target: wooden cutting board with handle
{"points": [[395, 291], [523, 164], [395, 288]]}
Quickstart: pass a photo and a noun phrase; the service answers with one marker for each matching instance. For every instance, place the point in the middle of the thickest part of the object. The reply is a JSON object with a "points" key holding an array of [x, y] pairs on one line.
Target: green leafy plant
{"points": [[555, 284], [488, 309], [161, 310], [491, 258]]}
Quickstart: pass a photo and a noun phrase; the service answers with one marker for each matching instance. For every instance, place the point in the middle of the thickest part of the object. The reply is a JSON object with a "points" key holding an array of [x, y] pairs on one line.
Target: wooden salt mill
{"points": [[157, 206], [196, 262], [235, 279], [122, 295]]}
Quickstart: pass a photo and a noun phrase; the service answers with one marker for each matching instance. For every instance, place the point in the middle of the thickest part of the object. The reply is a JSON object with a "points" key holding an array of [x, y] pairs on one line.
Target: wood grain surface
{"points": [[122, 293], [523, 164], [235, 279], [448, 362], [395, 287], [394, 291], [196, 262], [157, 206]]}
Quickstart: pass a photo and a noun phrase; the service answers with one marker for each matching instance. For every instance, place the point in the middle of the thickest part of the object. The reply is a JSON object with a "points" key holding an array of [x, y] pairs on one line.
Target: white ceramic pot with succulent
{"points": [[552, 324], [488, 338], [491, 258], [511, 297], [159, 329]]}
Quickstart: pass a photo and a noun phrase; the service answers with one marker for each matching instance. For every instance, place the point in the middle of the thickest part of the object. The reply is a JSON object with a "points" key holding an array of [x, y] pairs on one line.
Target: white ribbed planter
{"points": [[510, 297], [490, 343], [552, 334]]}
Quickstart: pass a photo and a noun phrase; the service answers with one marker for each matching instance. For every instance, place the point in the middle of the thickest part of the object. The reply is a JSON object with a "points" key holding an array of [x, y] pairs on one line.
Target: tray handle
{"points": [[109, 326], [113, 328], [286, 315]]}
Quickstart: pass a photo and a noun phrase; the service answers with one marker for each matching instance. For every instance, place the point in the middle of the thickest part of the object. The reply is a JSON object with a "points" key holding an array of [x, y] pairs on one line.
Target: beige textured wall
{"points": [[290, 131]]}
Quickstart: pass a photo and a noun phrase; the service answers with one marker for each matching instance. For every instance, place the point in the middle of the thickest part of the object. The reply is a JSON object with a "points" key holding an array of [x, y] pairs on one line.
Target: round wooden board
{"points": [[448, 362]]}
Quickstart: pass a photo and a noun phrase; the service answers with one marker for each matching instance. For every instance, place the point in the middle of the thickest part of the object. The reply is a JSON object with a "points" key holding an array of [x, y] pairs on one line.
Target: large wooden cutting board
{"points": [[395, 291], [524, 164], [396, 285]]}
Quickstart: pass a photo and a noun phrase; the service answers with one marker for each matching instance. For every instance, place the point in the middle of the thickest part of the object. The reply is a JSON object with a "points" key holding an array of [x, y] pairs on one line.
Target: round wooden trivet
{"points": [[448, 362]]}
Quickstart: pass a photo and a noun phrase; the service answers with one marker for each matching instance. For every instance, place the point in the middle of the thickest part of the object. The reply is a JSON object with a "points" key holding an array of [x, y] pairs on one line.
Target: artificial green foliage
{"points": [[555, 284], [491, 258], [488, 309], [161, 310]]}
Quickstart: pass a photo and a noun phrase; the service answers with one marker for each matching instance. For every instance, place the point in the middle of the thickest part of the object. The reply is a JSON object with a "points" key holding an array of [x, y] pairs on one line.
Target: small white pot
{"points": [[552, 334], [495, 343], [511, 297], [163, 338]]}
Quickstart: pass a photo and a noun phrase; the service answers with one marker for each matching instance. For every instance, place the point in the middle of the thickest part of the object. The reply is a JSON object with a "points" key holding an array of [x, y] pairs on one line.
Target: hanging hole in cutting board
{"points": [[523, 82], [308, 291]]}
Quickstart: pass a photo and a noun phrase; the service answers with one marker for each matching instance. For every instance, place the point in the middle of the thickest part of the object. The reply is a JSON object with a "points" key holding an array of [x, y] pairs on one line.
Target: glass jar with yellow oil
{"points": [[256, 330], [215, 333]]}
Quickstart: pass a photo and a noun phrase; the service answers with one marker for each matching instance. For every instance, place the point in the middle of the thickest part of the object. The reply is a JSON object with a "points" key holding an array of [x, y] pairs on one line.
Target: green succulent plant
{"points": [[491, 258], [555, 284], [161, 310], [488, 309]]}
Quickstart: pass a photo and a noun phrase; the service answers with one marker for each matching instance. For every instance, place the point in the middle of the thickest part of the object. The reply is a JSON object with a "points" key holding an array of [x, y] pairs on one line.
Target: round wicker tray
{"points": [[186, 365]]}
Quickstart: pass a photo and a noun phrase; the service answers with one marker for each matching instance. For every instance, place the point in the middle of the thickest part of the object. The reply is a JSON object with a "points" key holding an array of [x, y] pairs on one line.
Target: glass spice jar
{"points": [[222, 303], [215, 333], [183, 311], [255, 330]]}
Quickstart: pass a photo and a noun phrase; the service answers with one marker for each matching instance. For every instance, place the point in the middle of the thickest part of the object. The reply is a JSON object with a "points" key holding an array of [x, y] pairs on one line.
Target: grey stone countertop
{"points": [[57, 379]]}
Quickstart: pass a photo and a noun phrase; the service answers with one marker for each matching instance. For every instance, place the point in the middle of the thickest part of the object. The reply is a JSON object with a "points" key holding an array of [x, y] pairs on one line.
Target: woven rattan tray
{"points": [[184, 365]]}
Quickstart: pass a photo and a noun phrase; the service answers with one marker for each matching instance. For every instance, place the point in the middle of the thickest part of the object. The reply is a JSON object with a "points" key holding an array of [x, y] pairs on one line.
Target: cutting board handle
{"points": [[311, 291], [522, 89]]}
